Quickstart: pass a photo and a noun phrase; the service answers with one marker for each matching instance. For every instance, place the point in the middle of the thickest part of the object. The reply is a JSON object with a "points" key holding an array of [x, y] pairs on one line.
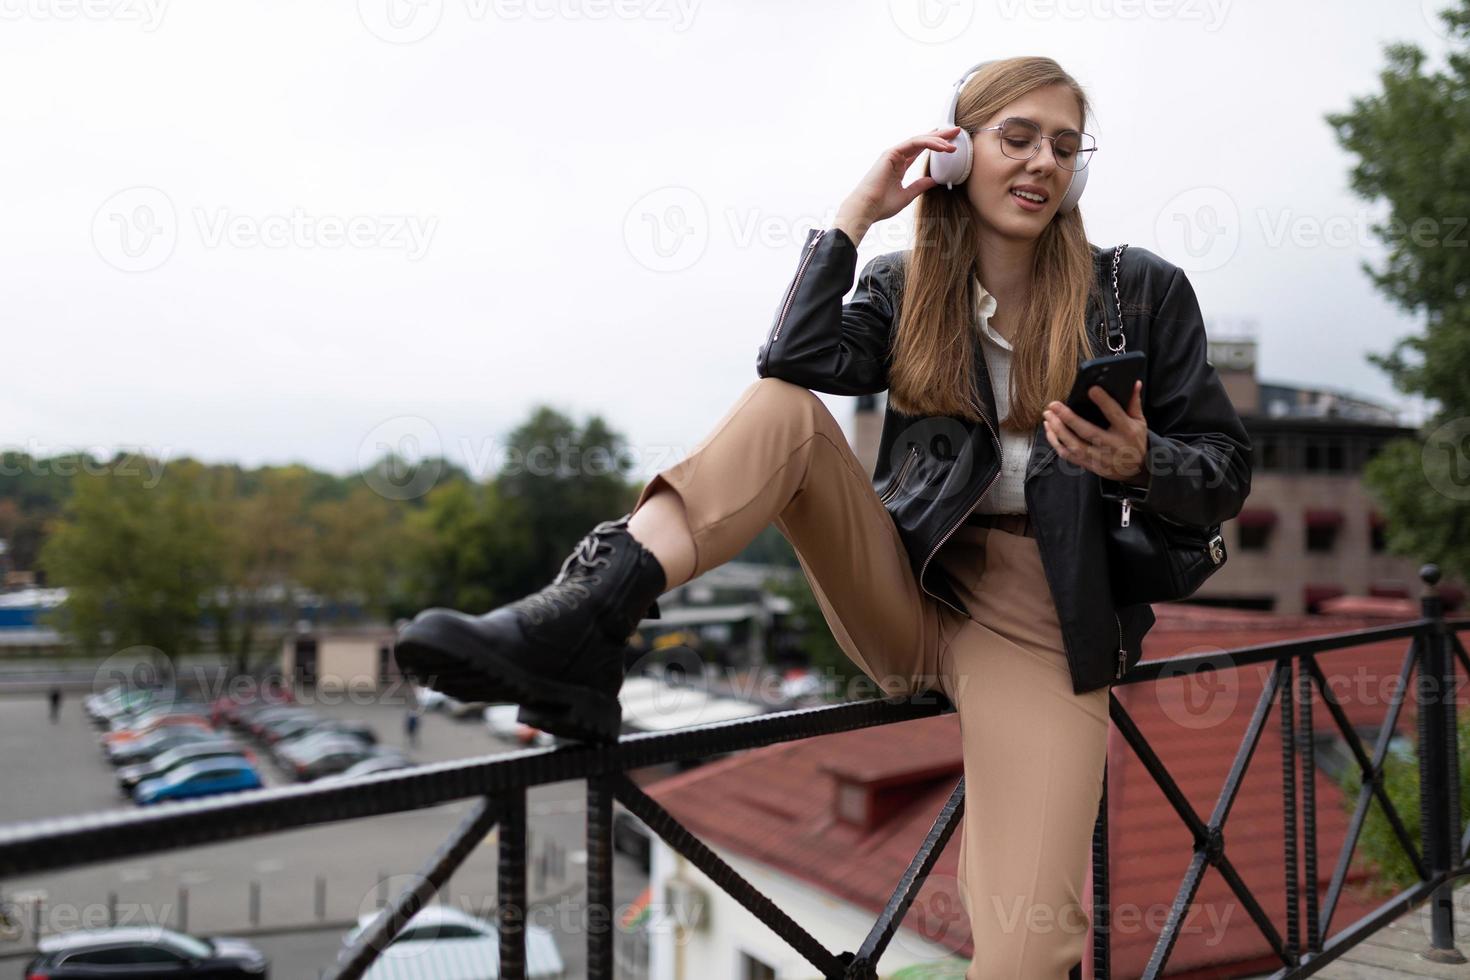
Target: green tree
{"points": [[468, 548], [1412, 153], [134, 558], [562, 480], [1379, 851], [358, 551], [265, 538]]}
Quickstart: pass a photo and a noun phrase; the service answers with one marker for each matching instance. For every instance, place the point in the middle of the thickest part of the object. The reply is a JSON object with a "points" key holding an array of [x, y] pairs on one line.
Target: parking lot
{"points": [[307, 884]]}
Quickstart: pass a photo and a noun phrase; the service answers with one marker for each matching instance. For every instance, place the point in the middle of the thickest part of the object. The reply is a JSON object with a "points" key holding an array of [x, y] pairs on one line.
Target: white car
{"points": [[445, 943], [502, 722]]}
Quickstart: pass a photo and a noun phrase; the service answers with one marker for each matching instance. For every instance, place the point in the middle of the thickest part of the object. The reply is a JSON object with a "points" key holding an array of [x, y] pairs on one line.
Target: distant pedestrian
{"points": [[54, 698], [411, 726]]}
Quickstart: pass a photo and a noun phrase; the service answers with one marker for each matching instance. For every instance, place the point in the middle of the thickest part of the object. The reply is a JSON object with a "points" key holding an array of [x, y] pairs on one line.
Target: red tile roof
{"points": [[775, 805]]}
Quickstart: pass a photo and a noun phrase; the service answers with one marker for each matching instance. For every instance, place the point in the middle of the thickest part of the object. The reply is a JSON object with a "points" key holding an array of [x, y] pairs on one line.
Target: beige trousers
{"points": [[1033, 750]]}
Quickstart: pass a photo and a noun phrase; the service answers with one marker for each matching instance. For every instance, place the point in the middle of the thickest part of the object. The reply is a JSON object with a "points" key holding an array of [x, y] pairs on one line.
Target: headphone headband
{"points": [[953, 168], [954, 99]]}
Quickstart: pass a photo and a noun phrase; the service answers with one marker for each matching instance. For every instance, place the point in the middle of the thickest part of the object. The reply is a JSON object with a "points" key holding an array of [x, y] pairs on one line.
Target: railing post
{"points": [[1438, 767], [1312, 940], [1102, 922], [599, 878], [510, 888], [1288, 806]]}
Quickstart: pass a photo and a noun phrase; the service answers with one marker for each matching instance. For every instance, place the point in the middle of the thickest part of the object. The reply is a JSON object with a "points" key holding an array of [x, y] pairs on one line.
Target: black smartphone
{"points": [[1115, 374]]}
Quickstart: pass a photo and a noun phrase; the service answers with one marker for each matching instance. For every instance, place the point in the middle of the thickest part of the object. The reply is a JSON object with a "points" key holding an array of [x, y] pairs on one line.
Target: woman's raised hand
{"points": [[881, 193]]}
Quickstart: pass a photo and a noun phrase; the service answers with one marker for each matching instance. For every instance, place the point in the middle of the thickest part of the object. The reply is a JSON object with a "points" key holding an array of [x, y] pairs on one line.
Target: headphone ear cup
{"points": [[952, 168], [1074, 191]]}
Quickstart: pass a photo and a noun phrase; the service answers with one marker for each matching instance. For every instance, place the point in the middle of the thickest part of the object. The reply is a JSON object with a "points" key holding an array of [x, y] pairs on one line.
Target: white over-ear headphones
{"points": [[953, 168]]}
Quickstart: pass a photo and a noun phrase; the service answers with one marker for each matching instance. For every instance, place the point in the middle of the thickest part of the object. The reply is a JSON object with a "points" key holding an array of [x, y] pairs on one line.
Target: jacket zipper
{"points": [[889, 493], [966, 512], [1122, 653], [791, 293]]}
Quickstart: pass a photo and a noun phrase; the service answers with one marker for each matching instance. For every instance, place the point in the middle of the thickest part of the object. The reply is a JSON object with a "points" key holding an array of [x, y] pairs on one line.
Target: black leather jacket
{"points": [[931, 471]]}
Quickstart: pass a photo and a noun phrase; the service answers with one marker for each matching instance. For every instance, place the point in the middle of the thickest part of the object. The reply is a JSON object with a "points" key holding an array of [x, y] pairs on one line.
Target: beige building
{"points": [[347, 659], [1309, 530]]}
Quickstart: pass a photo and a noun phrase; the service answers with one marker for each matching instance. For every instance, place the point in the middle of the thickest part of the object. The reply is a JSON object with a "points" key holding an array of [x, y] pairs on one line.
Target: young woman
{"points": [[973, 561]]}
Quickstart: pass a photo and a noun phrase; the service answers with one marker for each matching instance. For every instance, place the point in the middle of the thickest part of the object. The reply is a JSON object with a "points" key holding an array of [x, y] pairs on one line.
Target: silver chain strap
{"points": [[1118, 299]]}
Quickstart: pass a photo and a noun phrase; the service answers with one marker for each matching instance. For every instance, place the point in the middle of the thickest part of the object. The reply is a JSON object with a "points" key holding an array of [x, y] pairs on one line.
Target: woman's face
{"points": [[994, 176]]}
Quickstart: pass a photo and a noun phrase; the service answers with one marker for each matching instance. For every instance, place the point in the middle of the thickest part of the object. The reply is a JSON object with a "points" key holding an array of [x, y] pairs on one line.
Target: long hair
{"points": [[935, 345]]}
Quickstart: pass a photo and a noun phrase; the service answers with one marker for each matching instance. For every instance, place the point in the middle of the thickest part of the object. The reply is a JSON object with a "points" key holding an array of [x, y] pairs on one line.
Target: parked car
{"points": [[102, 708], [165, 762], [279, 729], [502, 721], [162, 721], [131, 720], [306, 740], [324, 758], [156, 743], [378, 762], [285, 733], [360, 730], [228, 707], [442, 941], [143, 951], [256, 722], [207, 777]]}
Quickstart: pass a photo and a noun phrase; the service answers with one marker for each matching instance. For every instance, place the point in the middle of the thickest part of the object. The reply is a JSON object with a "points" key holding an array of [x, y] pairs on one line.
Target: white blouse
{"points": [[1006, 495]]}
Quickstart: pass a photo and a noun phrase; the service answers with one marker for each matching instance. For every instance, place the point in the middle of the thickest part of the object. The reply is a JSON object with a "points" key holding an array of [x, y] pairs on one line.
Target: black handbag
{"points": [[1152, 558]]}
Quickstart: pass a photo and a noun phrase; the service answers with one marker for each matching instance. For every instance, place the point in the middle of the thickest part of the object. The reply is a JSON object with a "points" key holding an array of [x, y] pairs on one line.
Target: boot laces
{"points": [[571, 583]]}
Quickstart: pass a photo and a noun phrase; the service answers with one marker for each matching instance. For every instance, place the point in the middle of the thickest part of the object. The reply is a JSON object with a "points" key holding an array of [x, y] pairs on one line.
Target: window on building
{"points": [[1254, 525], [1271, 454], [1322, 525], [1255, 538], [754, 969], [1336, 458], [1377, 533], [1321, 537]]}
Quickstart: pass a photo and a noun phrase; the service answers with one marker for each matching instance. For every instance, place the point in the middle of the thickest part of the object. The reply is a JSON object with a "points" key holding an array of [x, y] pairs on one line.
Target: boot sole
{"points": [[461, 665]]}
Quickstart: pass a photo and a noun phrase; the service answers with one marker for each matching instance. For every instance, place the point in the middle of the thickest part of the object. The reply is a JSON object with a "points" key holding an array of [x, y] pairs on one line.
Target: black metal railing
{"points": [[499, 784]]}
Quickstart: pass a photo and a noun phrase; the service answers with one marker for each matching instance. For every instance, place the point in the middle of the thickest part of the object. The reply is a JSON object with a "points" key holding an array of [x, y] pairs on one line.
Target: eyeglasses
{"points": [[1020, 139]]}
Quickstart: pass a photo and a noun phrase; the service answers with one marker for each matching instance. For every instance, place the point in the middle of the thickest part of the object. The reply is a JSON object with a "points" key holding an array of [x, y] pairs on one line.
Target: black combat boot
{"points": [[558, 653]]}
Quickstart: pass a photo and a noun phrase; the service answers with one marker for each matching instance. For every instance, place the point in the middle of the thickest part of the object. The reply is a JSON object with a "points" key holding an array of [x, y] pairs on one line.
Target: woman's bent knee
{"points": [[789, 400]]}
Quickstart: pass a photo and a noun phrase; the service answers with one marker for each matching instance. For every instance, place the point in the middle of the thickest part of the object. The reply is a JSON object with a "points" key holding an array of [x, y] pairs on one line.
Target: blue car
{"points": [[203, 778]]}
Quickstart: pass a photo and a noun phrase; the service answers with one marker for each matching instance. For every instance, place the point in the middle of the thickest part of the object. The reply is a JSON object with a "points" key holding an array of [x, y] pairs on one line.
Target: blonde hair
{"points": [[934, 347]]}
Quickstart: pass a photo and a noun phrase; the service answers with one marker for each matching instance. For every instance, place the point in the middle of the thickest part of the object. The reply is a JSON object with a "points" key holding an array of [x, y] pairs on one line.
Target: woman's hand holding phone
{"points": [[1114, 453], [881, 193]]}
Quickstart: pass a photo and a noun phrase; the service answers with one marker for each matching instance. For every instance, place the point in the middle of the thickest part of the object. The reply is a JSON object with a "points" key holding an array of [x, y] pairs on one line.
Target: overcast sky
{"points": [[282, 231]]}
